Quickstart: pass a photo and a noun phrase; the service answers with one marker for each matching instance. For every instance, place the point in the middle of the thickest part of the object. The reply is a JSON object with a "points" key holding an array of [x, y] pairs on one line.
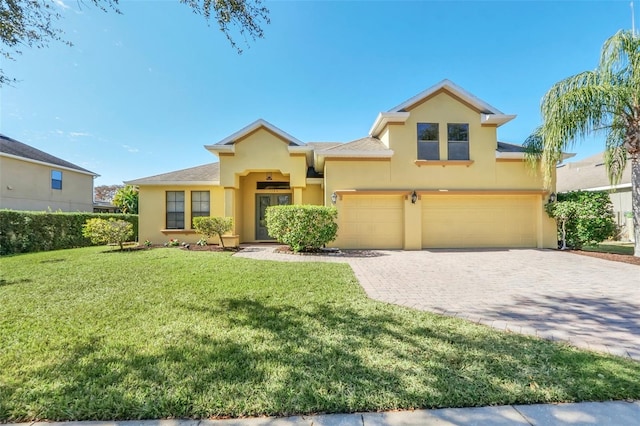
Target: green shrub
{"points": [[24, 232], [126, 199], [303, 228], [587, 217], [111, 231], [213, 226]]}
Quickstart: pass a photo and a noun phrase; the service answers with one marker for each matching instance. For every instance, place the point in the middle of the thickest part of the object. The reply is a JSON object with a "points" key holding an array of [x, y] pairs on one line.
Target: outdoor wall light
{"points": [[552, 198], [334, 198], [414, 197]]}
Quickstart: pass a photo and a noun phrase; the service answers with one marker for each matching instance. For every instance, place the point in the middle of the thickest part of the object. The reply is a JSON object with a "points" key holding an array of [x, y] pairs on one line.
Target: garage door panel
{"points": [[482, 221], [371, 222]]}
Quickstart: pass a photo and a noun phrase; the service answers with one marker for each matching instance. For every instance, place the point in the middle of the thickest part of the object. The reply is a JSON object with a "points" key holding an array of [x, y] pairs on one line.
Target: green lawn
{"points": [[92, 335], [612, 247]]}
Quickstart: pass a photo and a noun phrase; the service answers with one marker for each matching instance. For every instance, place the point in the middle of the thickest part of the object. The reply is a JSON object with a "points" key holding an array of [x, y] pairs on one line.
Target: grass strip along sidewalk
{"points": [[94, 335]]}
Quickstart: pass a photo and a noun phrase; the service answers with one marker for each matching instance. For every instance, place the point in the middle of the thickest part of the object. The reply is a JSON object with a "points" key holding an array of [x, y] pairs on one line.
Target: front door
{"points": [[262, 202]]}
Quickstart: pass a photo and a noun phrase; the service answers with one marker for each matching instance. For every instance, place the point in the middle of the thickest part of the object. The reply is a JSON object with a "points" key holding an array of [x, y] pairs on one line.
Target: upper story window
{"points": [[458, 141], [56, 179], [200, 204], [175, 209], [428, 141]]}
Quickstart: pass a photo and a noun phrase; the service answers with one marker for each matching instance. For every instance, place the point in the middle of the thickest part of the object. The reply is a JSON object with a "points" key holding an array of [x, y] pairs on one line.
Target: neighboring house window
{"points": [[56, 179], [175, 209], [458, 141], [199, 204], [428, 144]]}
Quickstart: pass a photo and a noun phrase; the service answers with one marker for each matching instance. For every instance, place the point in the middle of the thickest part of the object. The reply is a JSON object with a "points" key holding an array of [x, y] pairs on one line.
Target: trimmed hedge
{"points": [[24, 232], [302, 227]]}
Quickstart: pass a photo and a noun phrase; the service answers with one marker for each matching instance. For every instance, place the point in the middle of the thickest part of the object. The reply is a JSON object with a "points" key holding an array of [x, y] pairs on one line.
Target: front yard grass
{"points": [[615, 247], [166, 333]]}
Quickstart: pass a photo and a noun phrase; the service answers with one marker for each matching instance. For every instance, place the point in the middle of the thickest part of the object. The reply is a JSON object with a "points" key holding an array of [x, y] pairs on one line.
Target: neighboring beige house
{"points": [[590, 174], [33, 180], [430, 173]]}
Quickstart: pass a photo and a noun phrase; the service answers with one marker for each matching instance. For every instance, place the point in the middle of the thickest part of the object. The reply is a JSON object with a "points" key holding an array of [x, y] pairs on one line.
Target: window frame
{"points": [[198, 212], [424, 143], [56, 183], [458, 143], [173, 215]]}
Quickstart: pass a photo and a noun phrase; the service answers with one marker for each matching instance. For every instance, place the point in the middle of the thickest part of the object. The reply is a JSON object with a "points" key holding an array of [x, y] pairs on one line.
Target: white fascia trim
{"points": [[453, 88], [387, 117], [315, 181], [509, 154], [497, 119], [221, 148], [357, 154], [608, 187], [256, 125], [304, 149], [175, 183], [43, 163]]}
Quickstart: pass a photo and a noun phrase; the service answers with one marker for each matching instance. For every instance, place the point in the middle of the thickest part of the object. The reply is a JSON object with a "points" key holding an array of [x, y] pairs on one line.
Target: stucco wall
{"points": [[152, 210], [402, 173], [25, 185]]}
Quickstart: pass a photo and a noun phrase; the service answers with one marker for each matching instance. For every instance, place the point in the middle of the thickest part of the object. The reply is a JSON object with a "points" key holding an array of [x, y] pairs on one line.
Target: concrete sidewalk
{"points": [[618, 413]]}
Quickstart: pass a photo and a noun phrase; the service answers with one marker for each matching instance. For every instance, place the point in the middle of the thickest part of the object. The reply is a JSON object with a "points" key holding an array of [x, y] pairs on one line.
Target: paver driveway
{"points": [[589, 302]]}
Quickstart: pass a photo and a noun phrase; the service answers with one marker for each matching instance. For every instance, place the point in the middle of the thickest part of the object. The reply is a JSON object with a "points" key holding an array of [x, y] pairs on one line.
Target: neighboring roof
{"points": [[363, 144], [588, 174], [205, 174], [509, 147], [13, 148], [231, 139]]}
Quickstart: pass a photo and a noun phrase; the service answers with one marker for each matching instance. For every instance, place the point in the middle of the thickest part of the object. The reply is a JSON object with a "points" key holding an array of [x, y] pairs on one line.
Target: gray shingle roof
{"points": [[317, 146], [587, 174], [205, 173], [13, 147], [509, 147], [364, 144]]}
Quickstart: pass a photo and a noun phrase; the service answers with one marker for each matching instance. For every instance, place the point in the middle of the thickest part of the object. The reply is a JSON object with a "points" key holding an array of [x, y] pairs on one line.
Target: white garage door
{"points": [[371, 222], [479, 221]]}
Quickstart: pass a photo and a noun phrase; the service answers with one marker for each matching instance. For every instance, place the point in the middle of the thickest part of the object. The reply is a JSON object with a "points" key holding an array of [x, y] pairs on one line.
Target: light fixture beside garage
{"points": [[552, 198], [414, 197], [334, 198]]}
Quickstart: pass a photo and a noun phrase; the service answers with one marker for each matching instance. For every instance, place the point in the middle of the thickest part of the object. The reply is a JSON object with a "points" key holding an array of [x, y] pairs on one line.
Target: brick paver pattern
{"points": [[588, 302]]}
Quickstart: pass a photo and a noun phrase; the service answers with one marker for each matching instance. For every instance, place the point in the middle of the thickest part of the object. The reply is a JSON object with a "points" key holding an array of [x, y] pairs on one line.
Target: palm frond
{"points": [[615, 155]]}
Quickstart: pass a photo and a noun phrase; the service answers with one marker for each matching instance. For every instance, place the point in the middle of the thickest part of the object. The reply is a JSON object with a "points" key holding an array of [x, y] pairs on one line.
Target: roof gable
{"points": [[489, 115], [256, 125], [13, 148], [452, 89]]}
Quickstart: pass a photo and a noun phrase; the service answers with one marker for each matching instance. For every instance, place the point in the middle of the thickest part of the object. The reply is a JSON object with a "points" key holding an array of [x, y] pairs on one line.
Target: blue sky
{"points": [[140, 93]]}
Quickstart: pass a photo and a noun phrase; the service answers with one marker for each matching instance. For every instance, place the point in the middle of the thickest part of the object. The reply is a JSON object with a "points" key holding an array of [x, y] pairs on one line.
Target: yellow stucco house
{"points": [[34, 180], [430, 174]]}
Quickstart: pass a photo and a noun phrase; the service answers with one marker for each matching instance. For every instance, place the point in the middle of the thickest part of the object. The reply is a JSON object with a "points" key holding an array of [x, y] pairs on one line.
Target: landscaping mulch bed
{"points": [[609, 256], [210, 247], [328, 252]]}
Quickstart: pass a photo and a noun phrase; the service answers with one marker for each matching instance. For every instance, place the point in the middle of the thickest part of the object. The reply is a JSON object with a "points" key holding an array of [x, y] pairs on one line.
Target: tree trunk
{"points": [[635, 200], [564, 235]]}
